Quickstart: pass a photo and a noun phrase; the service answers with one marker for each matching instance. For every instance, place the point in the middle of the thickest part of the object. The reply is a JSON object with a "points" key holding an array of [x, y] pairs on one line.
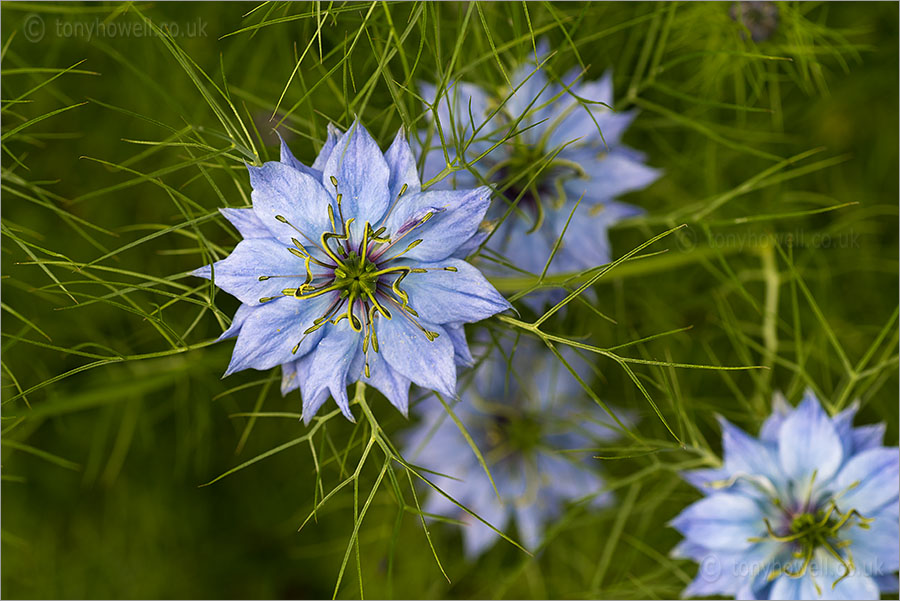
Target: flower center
{"points": [[357, 275], [531, 177], [809, 531], [363, 276], [519, 433]]}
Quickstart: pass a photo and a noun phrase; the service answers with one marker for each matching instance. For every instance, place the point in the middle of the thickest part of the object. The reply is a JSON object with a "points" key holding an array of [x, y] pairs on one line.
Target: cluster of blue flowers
{"points": [[350, 270]]}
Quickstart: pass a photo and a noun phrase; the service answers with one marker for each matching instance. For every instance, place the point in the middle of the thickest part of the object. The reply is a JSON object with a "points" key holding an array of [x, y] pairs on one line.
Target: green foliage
{"points": [[130, 469]]}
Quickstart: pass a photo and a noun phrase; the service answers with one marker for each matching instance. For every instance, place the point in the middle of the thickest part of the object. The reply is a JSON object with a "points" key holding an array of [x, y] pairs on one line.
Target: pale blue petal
{"points": [[435, 163], [533, 100], [857, 585], [868, 437], [240, 316], [716, 575], [428, 364], [289, 379], [745, 455], [362, 175], [461, 352], [402, 166], [330, 365], [887, 583], [585, 242], [768, 432], [313, 399], [392, 385], [238, 273], [868, 480], [704, 479], [271, 331], [456, 217], [854, 586], [785, 587], [687, 549], [808, 443], [530, 522], [843, 425], [722, 521], [477, 537], [288, 158], [472, 244], [280, 190], [609, 175], [875, 550], [470, 113], [246, 222], [442, 296], [334, 134]]}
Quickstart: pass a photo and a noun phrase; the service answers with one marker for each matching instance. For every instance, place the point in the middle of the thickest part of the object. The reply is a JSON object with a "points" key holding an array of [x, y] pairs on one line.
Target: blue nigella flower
{"points": [[809, 510], [349, 271], [523, 416], [567, 147]]}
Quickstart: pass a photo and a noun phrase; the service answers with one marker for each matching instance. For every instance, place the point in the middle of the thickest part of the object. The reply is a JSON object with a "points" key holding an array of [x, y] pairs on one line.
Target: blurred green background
{"points": [[114, 412]]}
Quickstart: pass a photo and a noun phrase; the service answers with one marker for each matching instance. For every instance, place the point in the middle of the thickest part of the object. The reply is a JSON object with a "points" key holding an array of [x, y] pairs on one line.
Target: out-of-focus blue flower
{"points": [[349, 271], [564, 145], [809, 510], [523, 416]]}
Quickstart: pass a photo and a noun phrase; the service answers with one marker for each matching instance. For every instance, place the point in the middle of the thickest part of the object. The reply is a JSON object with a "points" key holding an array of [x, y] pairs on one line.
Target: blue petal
{"points": [[581, 120], [526, 251], [530, 522], [362, 175], [703, 479], [334, 134], [238, 273], [472, 244], [887, 583], [722, 521], [786, 587], [868, 480], [329, 367], [435, 163], [808, 443], [391, 384], [875, 550], [533, 99], [720, 573], [428, 364], [279, 190], [240, 316], [462, 109], [744, 455], [456, 217], [854, 586], [462, 296], [312, 399], [868, 437], [585, 243], [246, 222], [609, 176], [271, 331], [843, 425], [477, 537], [768, 432], [288, 158], [461, 352], [826, 570], [402, 165], [289, 379]]}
